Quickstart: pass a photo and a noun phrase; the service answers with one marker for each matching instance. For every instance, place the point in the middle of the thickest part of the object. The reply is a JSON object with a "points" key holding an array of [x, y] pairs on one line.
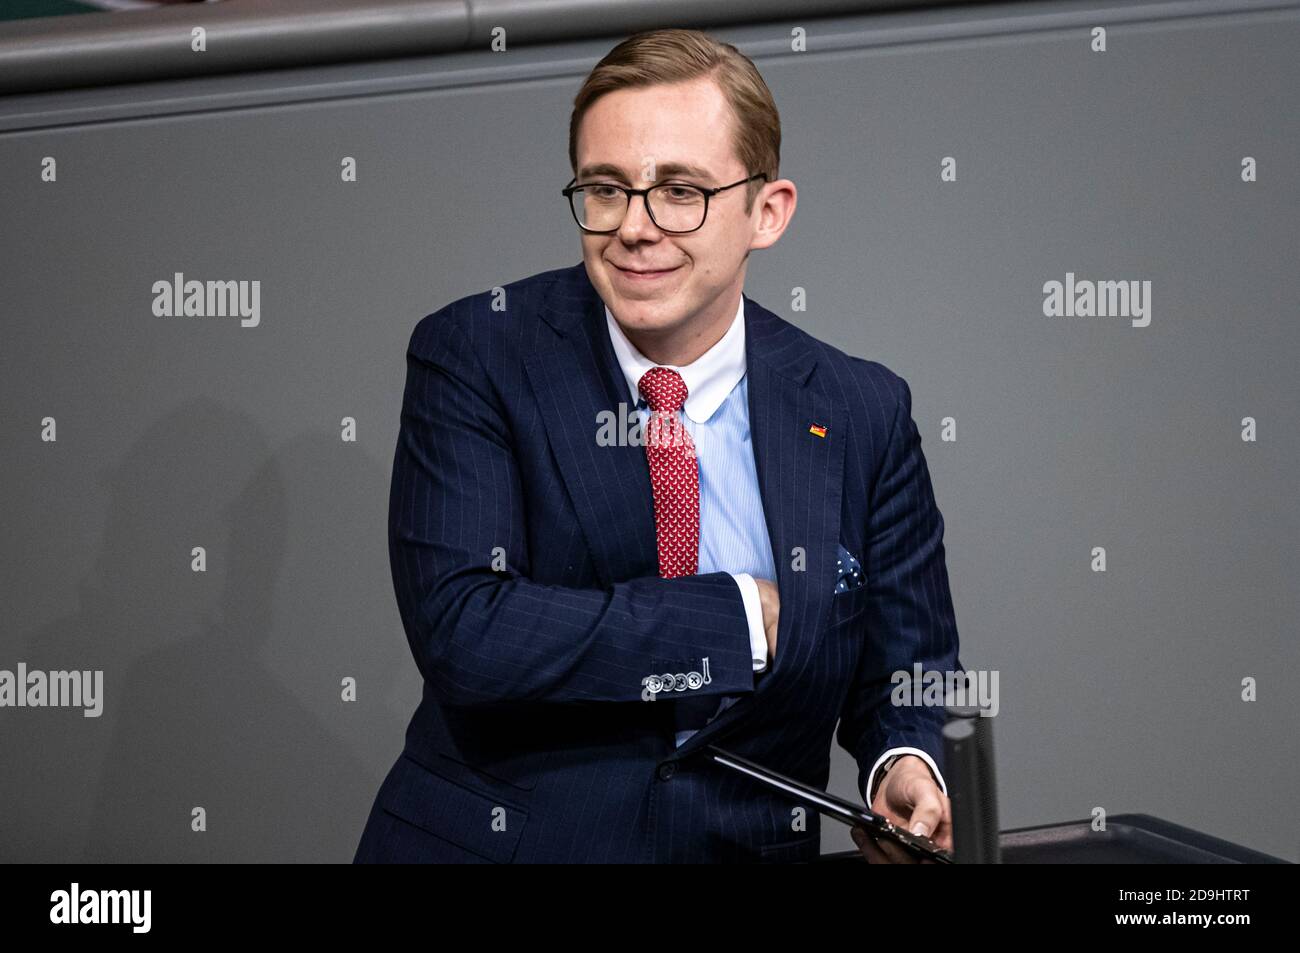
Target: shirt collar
{"points": [[709, 378]]}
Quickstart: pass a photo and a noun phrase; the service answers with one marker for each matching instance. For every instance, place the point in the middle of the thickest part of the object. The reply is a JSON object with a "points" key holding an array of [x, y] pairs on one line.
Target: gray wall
{"points": [[1118, 689]]}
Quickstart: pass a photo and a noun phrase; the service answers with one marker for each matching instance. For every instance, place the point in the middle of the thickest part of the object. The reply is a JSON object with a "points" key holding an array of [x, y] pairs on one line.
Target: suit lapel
{"points": [[575, 376]]}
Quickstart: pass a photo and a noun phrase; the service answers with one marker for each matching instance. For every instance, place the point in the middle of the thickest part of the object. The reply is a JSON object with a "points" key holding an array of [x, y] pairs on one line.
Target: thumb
{"points": [[926, 815]]}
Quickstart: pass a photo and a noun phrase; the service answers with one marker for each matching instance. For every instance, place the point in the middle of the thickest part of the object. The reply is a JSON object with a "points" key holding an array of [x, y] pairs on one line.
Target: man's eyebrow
{"points": [[662, 169]]}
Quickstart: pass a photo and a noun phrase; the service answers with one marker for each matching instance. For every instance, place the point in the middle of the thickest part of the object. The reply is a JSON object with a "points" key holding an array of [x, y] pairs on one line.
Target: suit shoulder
{"points": [[886, 390], [481, 319], [884, 377], [858, 375], [855, 381]]}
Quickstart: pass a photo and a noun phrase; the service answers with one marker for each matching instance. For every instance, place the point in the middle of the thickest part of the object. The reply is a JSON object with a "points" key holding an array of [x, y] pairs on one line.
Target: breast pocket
{"points": [[848, 605], [849, 589]]}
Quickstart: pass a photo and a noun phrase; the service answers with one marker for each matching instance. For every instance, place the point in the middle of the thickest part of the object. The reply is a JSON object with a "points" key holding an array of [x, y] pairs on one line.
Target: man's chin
{"points": [[647, 316]]}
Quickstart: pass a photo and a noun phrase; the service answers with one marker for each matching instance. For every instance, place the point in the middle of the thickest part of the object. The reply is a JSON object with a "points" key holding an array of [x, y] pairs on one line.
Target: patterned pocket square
{"points": [[848, 572]]}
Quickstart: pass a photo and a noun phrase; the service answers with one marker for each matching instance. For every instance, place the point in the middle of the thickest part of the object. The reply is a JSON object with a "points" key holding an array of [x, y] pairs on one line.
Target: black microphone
{"points": [[972, 785]]}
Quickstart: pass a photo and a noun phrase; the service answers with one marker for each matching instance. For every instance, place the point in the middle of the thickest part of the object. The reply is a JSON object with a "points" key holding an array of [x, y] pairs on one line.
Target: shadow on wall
{"points": [[219, 693]]}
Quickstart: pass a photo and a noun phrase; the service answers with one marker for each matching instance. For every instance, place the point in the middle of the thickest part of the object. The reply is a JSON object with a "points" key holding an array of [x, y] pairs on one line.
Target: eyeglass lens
{"points": [[677, 208]]}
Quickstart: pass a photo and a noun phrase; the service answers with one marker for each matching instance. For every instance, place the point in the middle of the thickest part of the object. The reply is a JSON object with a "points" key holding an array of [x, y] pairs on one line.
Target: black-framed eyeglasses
{"points": [[674, 207]]}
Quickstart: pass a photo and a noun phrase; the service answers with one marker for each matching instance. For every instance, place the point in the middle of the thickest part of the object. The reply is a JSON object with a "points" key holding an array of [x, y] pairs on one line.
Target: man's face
{"points": [[633, 137]]}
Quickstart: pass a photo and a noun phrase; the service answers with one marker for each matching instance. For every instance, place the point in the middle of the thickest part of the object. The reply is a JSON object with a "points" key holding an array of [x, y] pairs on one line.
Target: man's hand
{"points": [[910, 798], [770, 599]]}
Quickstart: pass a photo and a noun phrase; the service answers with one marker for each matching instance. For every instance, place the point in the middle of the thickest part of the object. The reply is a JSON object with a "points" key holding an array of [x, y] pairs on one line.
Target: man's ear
{"points": [[776, 204]]}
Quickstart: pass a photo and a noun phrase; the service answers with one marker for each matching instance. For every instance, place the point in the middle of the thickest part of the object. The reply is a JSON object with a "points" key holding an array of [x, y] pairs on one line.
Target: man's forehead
{"points": [[621, 135]]}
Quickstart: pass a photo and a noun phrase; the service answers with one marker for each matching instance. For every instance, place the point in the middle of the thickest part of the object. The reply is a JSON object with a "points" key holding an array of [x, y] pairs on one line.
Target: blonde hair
{"points": [[674, 56]]}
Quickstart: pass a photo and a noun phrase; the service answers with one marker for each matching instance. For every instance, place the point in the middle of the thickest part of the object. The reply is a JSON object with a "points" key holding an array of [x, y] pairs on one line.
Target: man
{"points": [[633, 513]]}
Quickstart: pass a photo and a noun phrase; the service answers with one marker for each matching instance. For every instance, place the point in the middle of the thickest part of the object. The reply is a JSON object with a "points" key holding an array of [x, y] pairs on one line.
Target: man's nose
{"points": [[637, 220]]}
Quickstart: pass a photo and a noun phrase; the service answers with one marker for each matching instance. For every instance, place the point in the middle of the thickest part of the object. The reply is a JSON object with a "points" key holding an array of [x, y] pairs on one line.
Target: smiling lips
{"points": [[646, 275]]}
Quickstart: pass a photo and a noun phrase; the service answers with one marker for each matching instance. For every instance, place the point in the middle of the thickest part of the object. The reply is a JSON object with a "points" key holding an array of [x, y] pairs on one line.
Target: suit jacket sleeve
{"points": [[909, 618], [483, 635]]}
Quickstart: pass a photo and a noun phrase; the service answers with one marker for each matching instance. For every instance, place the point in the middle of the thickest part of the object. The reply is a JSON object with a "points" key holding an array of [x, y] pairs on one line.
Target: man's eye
{"points": [[680, 193]]}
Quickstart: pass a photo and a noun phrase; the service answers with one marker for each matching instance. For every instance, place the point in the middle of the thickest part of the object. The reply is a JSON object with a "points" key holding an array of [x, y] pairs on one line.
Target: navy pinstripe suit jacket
{"points": [[532, 742]]}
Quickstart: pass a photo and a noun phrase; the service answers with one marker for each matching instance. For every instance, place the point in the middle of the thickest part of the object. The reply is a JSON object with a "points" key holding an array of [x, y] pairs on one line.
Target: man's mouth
{"points": [[645, 275]]}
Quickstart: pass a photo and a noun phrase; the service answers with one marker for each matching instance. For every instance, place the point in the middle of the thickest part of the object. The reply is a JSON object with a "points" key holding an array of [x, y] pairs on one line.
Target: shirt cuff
{"points": [[754, 614], [871, 777]]}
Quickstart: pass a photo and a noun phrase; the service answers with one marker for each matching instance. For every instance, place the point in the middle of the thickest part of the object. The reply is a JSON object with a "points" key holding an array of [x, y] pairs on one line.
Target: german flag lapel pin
{"points": [[817, 429]]}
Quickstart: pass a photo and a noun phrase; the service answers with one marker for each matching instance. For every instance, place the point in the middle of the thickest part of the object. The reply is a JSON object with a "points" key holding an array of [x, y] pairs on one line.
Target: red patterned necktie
{"points": [[674, 473]]}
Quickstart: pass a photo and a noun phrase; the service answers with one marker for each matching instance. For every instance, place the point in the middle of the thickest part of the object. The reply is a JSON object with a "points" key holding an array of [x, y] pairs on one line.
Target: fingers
{"points": [[878, 850], [895, 853], [872, 852], [892, 853], [867, 844], [943, 835]]}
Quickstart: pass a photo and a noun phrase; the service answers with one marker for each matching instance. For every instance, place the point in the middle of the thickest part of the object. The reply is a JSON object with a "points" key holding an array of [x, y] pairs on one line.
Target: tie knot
{"points": [[663, 389]]}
